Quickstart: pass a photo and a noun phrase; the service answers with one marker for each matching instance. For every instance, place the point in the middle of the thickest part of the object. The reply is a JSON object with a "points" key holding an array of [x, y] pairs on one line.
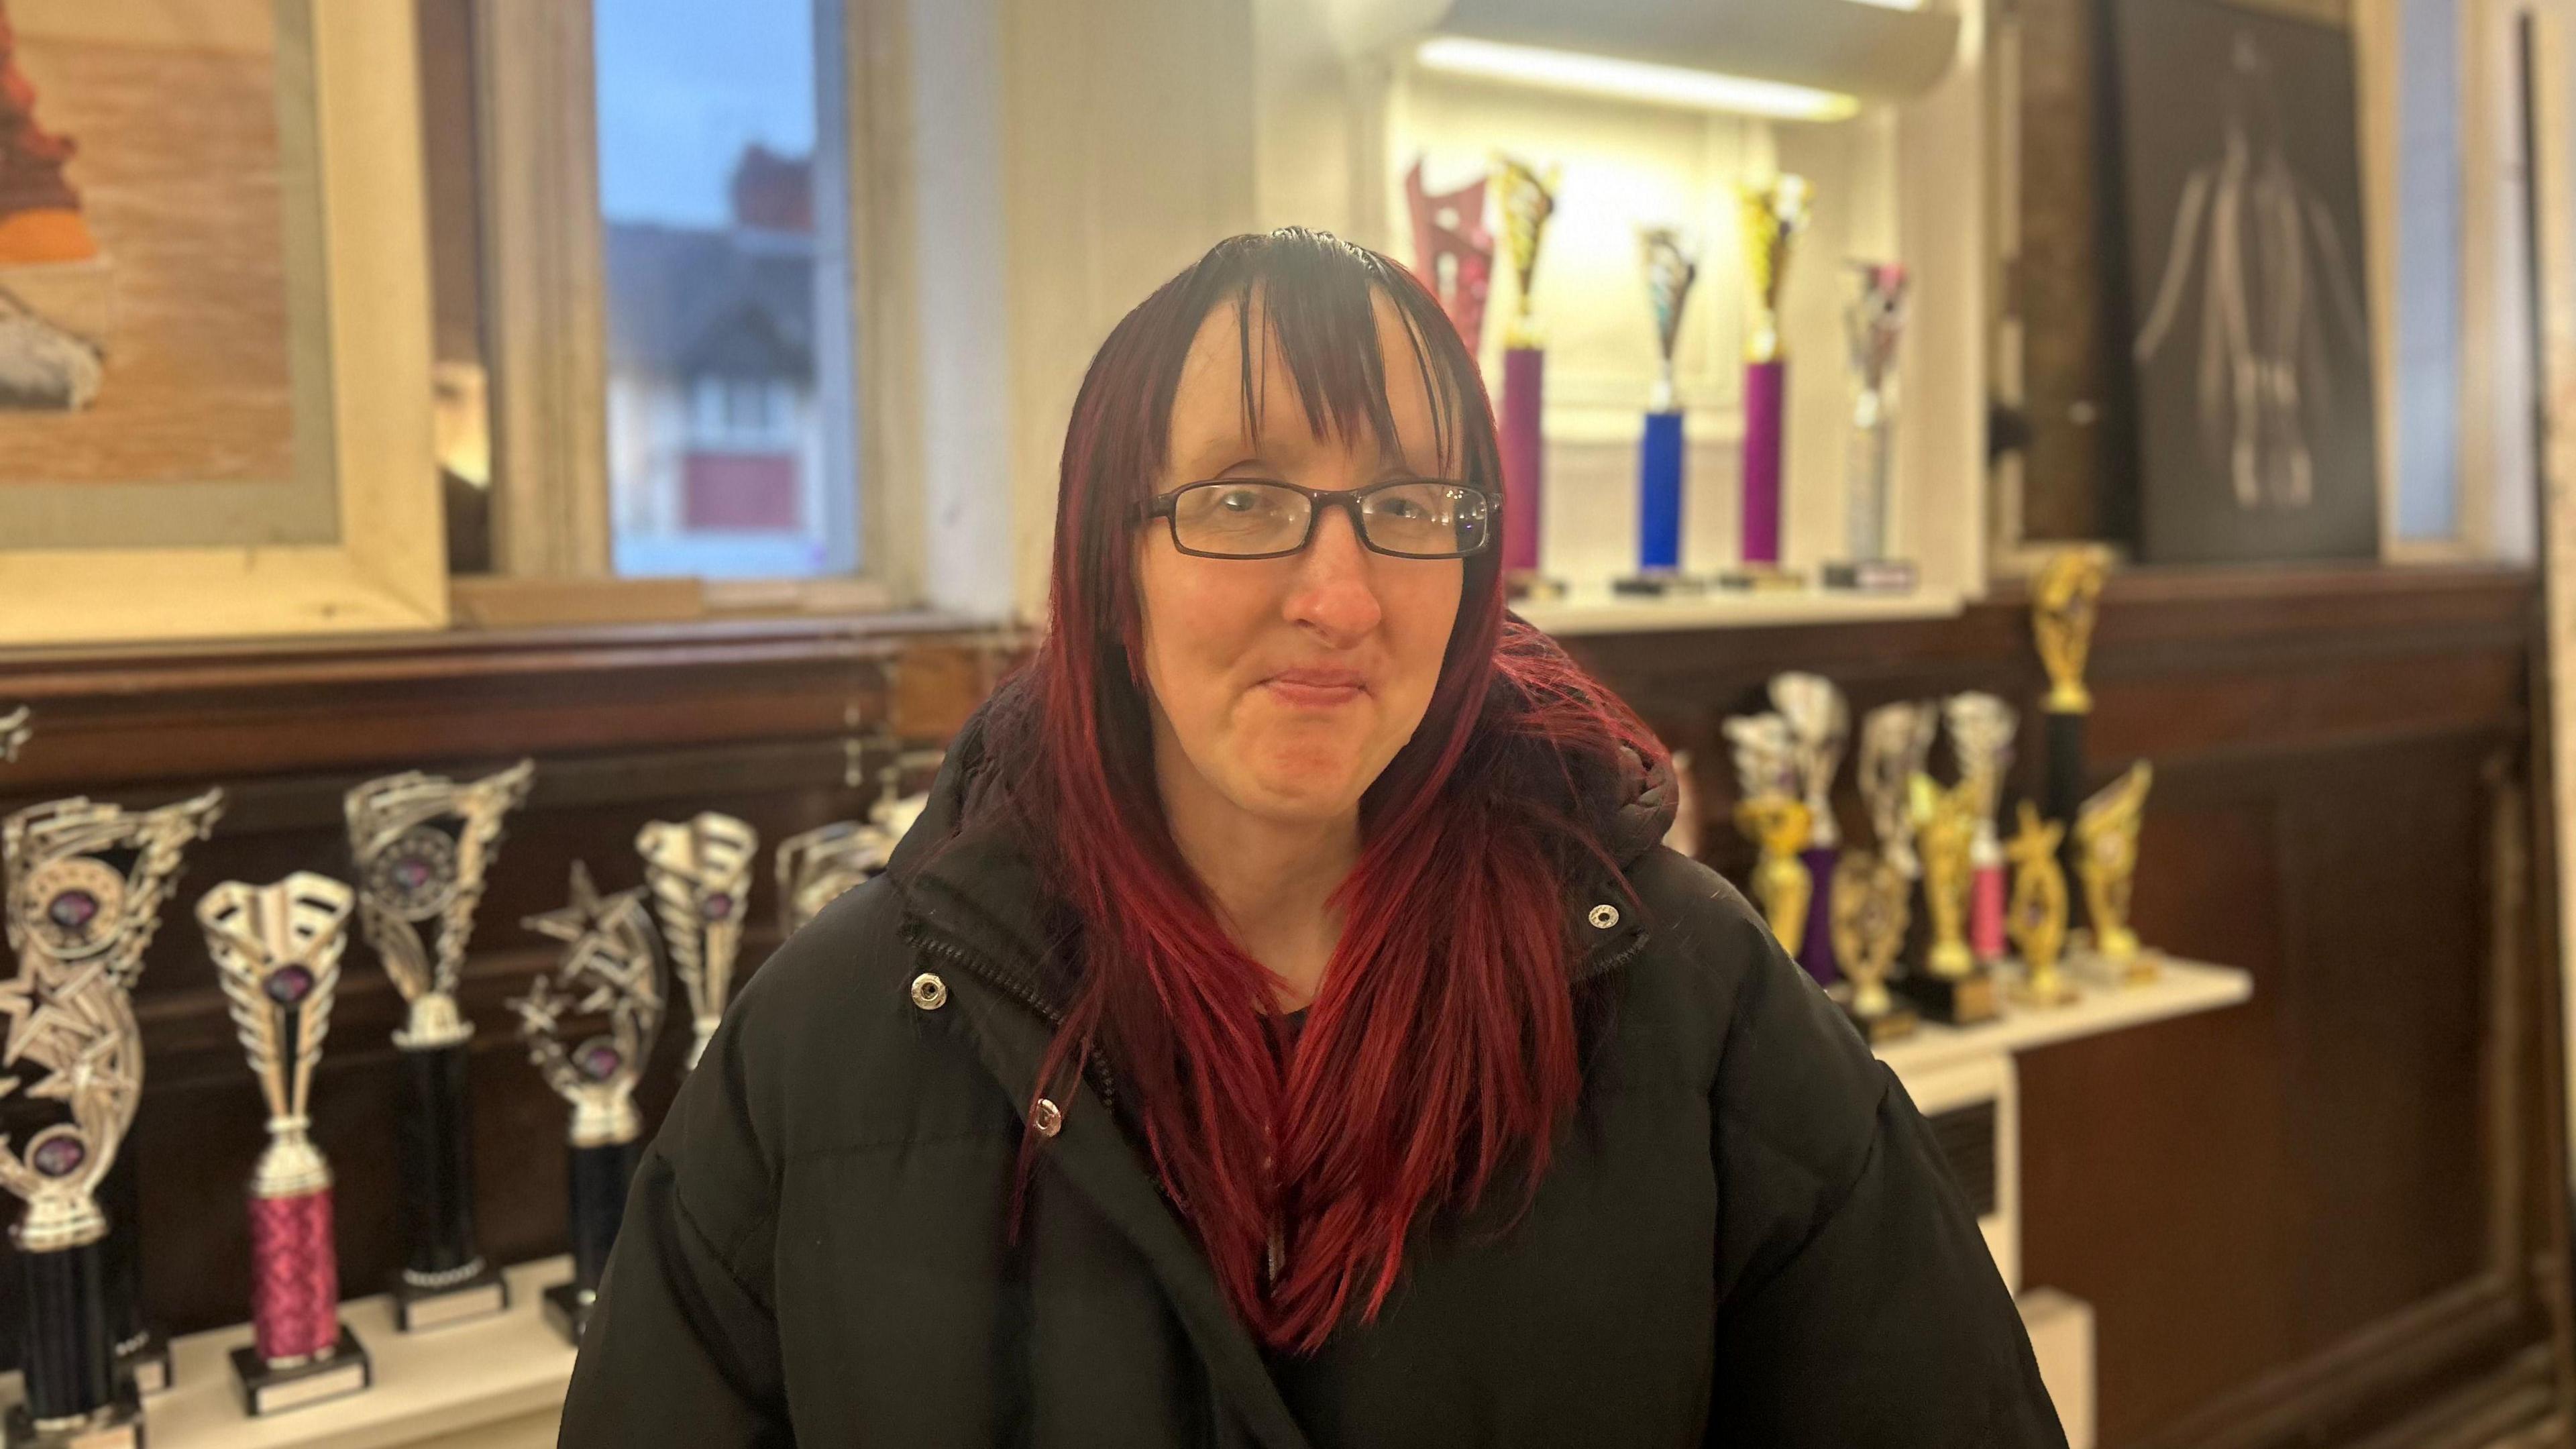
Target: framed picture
{"points": [[214, 322], [2249, 319]]}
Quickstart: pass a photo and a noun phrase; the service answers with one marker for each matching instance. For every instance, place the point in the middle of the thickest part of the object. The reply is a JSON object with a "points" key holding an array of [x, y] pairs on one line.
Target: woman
{"points": [[1284, 1027]]}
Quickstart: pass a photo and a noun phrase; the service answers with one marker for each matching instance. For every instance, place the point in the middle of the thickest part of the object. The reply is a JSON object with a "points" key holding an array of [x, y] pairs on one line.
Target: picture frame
{"points": [[353, 539]]}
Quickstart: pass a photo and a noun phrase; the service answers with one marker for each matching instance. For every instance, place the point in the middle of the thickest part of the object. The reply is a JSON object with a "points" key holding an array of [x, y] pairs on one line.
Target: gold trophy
{"points": [[1772, 811], [1952, 989], [1773, 214], [700, 874], [2106, 857], [1895, 741], [2038, 914], [2063, 601], [1870, 916]]}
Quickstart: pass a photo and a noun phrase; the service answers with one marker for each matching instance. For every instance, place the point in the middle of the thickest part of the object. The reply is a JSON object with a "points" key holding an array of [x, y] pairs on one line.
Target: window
{"points": [[718, 461]]}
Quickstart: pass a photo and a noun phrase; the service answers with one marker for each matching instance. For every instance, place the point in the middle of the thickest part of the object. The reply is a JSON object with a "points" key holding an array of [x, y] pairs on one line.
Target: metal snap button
{"points": [[929, 992], [1046, 1117], [1604, 917]]}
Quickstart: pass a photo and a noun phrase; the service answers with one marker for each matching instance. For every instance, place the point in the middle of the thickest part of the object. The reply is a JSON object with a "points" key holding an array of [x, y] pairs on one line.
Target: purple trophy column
{"points": [[1524, 388], [1765, 390], [1816, 953]]}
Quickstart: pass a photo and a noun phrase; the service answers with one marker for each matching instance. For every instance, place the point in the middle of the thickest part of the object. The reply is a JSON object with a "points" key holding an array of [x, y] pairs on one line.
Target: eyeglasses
{"points": [[1259, 518]]}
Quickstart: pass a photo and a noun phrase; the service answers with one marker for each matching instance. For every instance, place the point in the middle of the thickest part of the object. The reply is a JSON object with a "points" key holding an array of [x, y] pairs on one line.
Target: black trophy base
{"points": [[1660, 584], [1955, 1000], [1876, 1028], [1527, 587], [1761, 579], [1872, 576], [480, 1296], [118, 1426], [269, 1389], [568, 1309], [147, 1362]]}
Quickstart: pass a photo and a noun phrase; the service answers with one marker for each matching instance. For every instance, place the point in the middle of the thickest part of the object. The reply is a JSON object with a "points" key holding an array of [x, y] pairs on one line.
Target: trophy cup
{"points": [[1873, 324], [14, 732], [2063, 601], [79, 923], [99, 874], [424, 845], [607, 970], [1670, 270], [2106, 854], [1528, 200], [2039, 909], [1819, 727], [1895, 740], [1453, 252], [1771, 812], [1952, 988], [1772, 216], [1981, 736], [700, 874], [1870, 916], [277, 952], [816, 867]]}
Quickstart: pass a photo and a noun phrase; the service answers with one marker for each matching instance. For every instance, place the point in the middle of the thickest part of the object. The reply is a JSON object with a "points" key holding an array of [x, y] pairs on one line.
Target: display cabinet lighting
{"points": [[1634, 80]]}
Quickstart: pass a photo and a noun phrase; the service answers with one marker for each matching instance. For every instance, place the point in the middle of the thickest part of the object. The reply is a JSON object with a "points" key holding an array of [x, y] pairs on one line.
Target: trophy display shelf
{"points": [[1602, 609], [495, 1383], [2180, 988]]}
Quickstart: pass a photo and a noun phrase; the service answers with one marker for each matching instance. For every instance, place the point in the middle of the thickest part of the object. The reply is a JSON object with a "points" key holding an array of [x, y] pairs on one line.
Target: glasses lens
{"points": [[1239, 518], [1427, 520]]}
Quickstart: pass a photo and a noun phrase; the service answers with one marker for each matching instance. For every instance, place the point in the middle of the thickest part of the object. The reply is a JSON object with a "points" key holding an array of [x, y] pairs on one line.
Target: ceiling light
{"points": [[1633, 80]]}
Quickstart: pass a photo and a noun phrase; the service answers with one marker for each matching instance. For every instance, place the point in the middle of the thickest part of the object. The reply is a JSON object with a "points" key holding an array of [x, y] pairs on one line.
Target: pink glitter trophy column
{"points": [[1528, 200], [277, 952], [1773, 214], [1981, 740]]}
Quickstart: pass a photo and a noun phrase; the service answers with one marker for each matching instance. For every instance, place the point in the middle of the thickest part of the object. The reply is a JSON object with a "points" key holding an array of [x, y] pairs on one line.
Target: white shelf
{"points": [[1599, 611], [2180, 989], [429, 1386]]}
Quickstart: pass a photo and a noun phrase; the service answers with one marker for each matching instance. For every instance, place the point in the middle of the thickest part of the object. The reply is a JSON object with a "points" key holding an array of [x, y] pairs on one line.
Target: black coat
{"points": [[1747, 1236]]}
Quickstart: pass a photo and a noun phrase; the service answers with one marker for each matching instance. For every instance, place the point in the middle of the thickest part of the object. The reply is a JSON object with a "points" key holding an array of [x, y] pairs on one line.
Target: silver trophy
{"points": [[277, 950], [79, 927], [818, 866], [424, 846], [1981, 741], [1765, 756], [700, 874], [1895, 741], [14, 731], [607, 974], [1819, 727]]}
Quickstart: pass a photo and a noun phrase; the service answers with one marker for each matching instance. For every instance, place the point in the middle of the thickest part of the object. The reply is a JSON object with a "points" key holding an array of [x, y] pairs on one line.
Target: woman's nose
{"points": [[1335, 592]]}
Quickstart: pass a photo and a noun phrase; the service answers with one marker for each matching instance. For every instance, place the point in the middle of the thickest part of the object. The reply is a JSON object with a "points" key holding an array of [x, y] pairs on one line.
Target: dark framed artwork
{"points": [[2239, 151]]}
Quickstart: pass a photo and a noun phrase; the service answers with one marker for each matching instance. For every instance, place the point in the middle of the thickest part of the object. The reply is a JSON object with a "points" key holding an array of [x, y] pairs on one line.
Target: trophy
{"points": [[276, 950], [1453, 252], [2038, 917], [423, 846], [700, 874], [1772, 813], [1670, 270], [2106, 854], [1870, 916], [1819, 727], [2063, 599], [86, 872], [1528, 199], [606, 971], [1981, 736], [1952, 988], [1895, 740], [14, 732], [1873, 325], [79, 925], [1772, 214]]}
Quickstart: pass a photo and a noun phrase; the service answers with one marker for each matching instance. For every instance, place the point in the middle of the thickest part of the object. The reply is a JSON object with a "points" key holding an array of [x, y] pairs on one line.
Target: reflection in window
{"points": [[717, 460]]}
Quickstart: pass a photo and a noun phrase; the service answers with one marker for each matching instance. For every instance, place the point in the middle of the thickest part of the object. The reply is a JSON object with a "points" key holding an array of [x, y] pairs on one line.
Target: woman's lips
{"points": [[1316, 688]]}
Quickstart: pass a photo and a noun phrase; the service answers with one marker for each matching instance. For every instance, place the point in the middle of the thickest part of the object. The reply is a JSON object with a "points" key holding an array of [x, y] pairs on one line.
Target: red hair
{"points": [[1442, 1049]]}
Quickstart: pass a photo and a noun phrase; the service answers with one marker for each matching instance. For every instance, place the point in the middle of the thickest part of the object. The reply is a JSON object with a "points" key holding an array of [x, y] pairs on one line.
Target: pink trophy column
{"points": [[1766, 386], [295, 1277]]}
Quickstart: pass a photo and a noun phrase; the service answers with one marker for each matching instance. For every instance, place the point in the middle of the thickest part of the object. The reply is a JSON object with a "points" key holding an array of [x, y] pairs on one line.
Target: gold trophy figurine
{"points": [[1870, 916], [2106, 859], [1528, 197], [1780, 825], [2063, 601], [1952, 989], [2038, 914]]}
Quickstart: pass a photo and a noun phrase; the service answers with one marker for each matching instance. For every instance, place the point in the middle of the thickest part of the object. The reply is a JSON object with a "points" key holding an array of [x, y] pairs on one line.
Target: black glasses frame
{"points": [[1349, 500]]}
